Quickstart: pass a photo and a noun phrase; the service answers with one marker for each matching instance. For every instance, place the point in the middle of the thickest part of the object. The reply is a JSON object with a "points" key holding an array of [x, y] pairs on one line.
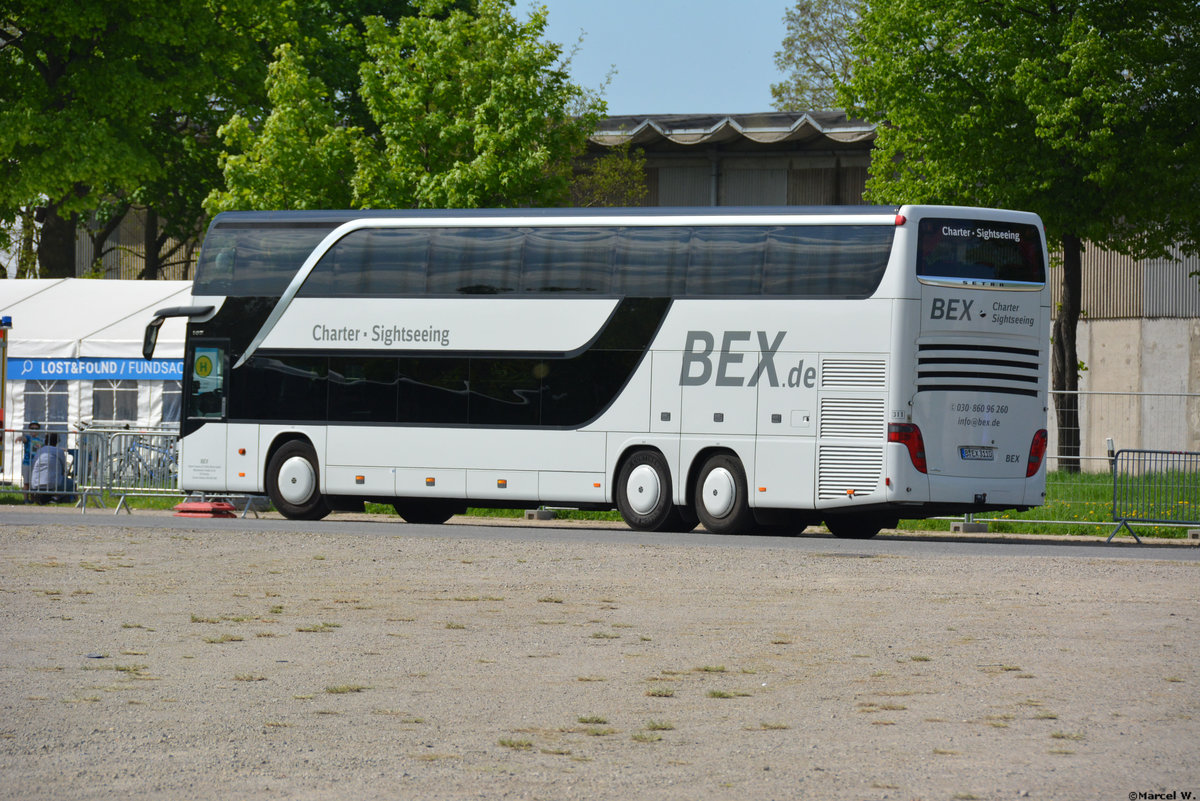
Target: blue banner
{"points": [[92, 369]]}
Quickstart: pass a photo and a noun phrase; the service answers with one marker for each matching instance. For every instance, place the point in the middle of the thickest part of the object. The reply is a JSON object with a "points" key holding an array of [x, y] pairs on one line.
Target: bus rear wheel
{"points": [[293, 482], [722, 499]]}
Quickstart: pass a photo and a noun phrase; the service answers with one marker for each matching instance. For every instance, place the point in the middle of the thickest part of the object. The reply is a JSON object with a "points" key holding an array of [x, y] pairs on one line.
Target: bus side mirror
{"points": [[151, 337]]}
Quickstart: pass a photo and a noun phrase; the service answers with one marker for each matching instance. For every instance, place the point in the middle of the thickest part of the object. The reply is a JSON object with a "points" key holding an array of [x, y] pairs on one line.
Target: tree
{"points": [[815, 54], [473, 111], [299, 157], [1082, 111], [617, 178], [464, 110], [89, 91]]}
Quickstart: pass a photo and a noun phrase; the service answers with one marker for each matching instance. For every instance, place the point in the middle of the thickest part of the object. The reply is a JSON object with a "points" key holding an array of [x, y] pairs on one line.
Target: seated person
{"points": [[49, 480]]}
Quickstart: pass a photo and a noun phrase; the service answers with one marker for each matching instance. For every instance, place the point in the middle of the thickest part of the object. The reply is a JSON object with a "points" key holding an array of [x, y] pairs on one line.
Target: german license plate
{"points": [[971, 454]]}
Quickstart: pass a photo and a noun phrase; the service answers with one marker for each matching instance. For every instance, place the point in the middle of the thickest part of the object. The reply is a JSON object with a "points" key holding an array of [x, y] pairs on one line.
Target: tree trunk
{"points": [[153, 263], [1065, 368], [100, 238], [56, 251], [27, 255]]}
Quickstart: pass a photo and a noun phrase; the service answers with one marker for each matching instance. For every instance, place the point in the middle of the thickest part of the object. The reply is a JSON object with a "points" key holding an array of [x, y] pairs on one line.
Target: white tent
{"points": [[75, 352], [72, 318]]}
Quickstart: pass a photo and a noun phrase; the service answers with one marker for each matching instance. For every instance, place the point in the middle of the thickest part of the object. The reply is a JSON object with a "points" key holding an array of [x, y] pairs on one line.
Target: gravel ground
{"points": [[214, 664]]}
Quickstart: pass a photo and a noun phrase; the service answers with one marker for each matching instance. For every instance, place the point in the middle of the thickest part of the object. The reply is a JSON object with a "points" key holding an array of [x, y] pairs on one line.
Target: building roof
{"points": [[700, 129]]}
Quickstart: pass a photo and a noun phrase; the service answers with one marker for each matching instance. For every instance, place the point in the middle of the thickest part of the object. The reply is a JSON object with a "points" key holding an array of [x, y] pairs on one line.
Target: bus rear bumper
{"points": [[989, 493]]}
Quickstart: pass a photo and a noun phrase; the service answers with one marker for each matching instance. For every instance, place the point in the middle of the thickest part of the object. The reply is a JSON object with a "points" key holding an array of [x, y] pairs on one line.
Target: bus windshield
{"points": [[254, 260], [958, 251]]}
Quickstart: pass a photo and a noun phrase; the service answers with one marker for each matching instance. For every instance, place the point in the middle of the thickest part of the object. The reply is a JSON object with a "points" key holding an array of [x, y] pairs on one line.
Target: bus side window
{"points": [[567, 260], [726, 261], [650, 262], [341, 271], [206, 382], [397, 259], [475, 261]]}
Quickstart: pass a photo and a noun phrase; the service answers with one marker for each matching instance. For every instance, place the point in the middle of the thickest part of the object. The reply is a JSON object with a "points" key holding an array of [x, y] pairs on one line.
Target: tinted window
{"points": [[651, 262], [205, 370], [983, 250], [574, 391], [567, 260], [475, 261], [505, 392], [726, 260], [829, 260], [433, 390], [283, 388], [362, 390], [372, 262], [634, 261], [252, 262]]}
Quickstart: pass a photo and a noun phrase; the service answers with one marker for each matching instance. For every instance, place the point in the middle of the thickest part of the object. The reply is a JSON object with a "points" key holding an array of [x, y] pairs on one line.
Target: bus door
{"points": [[202, 453]]}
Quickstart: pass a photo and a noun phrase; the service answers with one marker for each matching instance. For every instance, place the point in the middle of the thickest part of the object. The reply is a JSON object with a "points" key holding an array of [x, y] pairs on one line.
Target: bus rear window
{"points": [[991, 251]]}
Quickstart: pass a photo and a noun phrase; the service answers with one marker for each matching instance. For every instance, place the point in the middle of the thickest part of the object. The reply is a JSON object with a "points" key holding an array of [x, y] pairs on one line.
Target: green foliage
{"points": [[86, 86], [299, 157], [1080, 112], [463, 111], [618, 178], [815, 55], [117, 100]]}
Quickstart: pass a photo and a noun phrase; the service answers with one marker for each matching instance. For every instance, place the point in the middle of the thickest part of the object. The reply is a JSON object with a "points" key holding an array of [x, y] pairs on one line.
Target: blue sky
{"points": [[672, 56]]}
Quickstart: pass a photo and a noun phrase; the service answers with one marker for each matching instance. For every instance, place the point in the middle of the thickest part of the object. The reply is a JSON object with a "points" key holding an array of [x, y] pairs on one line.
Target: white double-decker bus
{"points": [[742, 368]]}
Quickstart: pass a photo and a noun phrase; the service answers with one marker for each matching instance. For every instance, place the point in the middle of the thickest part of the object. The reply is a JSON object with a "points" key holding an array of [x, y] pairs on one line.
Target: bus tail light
{"points": [[909, 436], [1037, 452]]}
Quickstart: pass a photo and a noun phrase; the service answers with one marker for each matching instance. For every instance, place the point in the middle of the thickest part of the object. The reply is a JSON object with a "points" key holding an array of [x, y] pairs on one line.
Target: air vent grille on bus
{"points": [[853, 374], [954, 366], [852, 417], [844, 471]]}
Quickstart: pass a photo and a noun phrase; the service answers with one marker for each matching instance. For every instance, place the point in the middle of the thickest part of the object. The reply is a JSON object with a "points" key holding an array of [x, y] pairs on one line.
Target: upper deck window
{"points": [[987, 251], [254, 260], [261, 259]]}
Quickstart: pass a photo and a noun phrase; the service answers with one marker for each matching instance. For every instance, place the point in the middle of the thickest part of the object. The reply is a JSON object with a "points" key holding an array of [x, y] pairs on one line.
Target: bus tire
{"points": [[681, 520], [644, 493], [857, 526], [722, 499], [294, 482], [428, 512]]}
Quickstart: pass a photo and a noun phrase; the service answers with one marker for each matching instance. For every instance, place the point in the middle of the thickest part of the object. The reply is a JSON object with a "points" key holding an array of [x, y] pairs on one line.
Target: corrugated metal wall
{"points": [[754, 187], [124, 257], [1118, 287], [756, 182]]}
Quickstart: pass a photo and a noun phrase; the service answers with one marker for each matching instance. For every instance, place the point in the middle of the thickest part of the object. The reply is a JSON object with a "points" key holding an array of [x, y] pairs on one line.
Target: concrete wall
{"points": [[1148, 372]]}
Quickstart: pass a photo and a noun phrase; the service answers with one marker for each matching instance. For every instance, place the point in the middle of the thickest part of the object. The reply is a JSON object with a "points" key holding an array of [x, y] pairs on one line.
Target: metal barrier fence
{"points": [[86, 466], [1155, 487], [1104, 422]]}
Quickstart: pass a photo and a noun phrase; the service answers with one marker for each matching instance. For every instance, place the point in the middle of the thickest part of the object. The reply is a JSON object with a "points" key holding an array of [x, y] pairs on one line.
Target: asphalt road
{"points": [[149, 656], [898, 543]]}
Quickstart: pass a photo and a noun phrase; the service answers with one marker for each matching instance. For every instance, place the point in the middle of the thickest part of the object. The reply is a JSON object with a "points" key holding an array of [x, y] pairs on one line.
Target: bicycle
{"points": [[136, 463]]}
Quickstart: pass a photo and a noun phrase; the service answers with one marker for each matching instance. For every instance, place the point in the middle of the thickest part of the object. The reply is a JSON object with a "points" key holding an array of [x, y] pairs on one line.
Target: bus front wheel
{"points": [[722, 499], [293, 482]]}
